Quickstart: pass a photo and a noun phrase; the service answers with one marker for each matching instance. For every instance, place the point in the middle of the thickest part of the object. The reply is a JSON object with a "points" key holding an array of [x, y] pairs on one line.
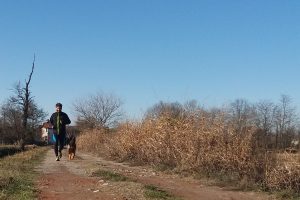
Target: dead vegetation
{"points": [[198, 144], [286, 174]]}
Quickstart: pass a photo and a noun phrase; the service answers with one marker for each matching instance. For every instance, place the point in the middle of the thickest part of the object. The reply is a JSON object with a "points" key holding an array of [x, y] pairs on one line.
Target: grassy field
{"points": [[17, 174]]}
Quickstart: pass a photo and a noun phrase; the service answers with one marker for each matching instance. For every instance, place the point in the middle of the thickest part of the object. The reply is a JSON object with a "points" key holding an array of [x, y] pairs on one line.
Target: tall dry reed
{"points": [[286, 174], [196, 143], [93, 141]]}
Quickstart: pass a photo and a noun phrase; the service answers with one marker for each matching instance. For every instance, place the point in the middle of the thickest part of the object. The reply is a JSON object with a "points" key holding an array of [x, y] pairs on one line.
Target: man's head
{"points": [[58, 107]]}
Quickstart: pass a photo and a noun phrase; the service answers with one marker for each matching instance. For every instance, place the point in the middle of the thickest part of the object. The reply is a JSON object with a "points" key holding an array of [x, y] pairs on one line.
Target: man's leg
{"points": [[56, 146], [61, 143]]}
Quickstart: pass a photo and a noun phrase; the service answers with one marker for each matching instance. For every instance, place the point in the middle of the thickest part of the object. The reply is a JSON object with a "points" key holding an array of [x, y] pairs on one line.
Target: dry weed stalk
{"points": [[196, 143]]}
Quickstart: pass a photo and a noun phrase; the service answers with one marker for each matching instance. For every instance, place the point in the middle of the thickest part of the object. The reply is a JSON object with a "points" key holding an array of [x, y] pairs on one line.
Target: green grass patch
{"points": [[108, 175], [153, 192], [17, 175]]}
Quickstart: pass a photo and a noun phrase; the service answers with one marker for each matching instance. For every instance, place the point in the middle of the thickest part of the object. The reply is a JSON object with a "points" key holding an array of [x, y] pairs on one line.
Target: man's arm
{"points": [[68, 121], [51, 119]]}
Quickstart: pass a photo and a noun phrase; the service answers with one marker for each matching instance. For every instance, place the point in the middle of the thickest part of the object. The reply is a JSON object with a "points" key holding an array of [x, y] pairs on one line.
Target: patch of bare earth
{"points": [[66, 179], [72, 180]]}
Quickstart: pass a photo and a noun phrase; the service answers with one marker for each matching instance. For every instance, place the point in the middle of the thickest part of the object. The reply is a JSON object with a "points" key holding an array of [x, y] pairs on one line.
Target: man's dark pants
{"points": [[59, 143]]}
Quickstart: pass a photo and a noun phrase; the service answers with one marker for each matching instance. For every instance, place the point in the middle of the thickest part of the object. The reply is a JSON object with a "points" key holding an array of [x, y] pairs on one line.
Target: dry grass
{"points": [[286, 174], [197, 143], [94, 141]]}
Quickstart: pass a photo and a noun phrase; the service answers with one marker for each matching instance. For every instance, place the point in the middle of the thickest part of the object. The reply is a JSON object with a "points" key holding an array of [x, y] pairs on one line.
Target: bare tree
{"points": [[241, 114], [192, 107], [11, 122], [265, 115], [23, 102], [264, 119], [173, 110], [23, 98], [99, 110], [285, 118]]}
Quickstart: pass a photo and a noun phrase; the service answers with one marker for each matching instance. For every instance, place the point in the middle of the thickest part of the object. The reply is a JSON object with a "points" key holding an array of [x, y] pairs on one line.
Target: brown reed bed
{"points": [[197, 144]]}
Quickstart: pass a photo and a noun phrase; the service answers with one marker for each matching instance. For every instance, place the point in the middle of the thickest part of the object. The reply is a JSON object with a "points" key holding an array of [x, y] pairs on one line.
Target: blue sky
{"points": [[150, 50]]}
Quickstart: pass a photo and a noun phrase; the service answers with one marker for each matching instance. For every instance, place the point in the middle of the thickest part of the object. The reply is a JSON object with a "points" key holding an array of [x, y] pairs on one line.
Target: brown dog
{"points": [[72, 147]]}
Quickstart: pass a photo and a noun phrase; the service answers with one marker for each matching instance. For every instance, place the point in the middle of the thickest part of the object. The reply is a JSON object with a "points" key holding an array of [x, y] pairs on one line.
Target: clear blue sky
{"points": [[151, 50]]}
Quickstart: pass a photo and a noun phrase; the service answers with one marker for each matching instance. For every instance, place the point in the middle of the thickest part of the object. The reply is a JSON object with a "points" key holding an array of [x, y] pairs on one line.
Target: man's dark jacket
{"points": [[64, 120]]}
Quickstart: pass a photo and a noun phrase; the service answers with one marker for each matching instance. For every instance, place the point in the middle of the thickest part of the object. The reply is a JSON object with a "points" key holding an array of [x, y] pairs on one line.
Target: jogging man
{"points": [[59, 120]]}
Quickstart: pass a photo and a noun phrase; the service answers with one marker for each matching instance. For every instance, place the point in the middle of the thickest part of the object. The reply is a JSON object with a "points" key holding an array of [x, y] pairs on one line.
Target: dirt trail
{"points": [[71, 180]]}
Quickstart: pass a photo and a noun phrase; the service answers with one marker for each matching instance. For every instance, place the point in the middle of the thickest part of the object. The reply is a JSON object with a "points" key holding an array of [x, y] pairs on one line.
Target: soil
{"points": [[73, 179]]}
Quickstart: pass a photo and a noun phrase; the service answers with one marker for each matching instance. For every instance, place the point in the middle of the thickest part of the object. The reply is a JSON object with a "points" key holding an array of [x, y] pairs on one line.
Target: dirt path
{"points": [[72, 180]]}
